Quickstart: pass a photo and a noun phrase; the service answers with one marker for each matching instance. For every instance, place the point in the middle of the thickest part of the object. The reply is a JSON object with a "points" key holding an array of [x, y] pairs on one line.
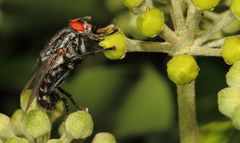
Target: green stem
{"points": [[187, 113]]}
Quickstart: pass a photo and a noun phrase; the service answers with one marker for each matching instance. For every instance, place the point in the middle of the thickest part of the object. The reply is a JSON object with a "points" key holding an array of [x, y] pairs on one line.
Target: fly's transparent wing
{"points": [[35, 81]]}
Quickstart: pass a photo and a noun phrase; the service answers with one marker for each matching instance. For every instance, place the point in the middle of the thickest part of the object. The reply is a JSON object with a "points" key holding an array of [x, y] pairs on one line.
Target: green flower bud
{"points": [[233, 75], [104, 137], [5, 127], [236, 117], [36, 123], [182, 69], [79, 124], [117, 40], [17, 123], [151, 22], [205, 4], [231, 50], [55, 141], [16, 140], [228, 100], [57, 112], [132, 3], [24, 101], [234, 6]]}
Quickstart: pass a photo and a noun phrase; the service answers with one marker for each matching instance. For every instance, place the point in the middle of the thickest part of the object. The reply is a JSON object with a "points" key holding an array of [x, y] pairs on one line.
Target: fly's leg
{"points": [[81, 56], [65, 103], [105, 31], [92, 36], [68, 95]]}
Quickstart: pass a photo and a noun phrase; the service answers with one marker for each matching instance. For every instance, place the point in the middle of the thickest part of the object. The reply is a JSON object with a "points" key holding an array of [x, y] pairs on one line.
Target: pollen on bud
{"points": [[205, 4], [79, 124], [24, 101], [231, 50], [117, 41], [234, 6], [36, 123], [182, 69], [5, 127], [16, 140], [228, 100], [104, 137], [55, 141], [233, 75], [151, 22], [132, 3]]}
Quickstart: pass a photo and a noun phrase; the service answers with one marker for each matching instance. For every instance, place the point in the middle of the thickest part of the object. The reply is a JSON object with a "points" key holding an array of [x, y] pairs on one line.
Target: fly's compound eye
{"points": [[77, 25]]}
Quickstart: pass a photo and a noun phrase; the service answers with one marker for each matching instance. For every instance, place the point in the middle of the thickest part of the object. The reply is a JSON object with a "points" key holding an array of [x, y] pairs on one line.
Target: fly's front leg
{"points": [[108, 30], [92, 36]]}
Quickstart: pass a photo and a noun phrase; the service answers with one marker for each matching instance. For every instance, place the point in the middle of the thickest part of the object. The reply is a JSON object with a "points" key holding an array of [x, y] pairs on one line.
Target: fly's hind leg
{"points": [[65, 103], [68, 95]]}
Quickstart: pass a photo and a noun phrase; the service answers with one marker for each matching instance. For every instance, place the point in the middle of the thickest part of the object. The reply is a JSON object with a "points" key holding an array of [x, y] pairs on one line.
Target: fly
{"points": [[56, 61]]}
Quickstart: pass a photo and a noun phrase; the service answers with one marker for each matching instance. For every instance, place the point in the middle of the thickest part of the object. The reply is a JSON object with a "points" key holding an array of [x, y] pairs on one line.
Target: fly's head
{"points": [[81, 25]]}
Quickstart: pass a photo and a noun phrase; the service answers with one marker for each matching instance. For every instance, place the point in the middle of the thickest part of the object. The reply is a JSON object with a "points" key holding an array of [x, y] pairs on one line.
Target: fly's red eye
{"points": [[76, 25]]}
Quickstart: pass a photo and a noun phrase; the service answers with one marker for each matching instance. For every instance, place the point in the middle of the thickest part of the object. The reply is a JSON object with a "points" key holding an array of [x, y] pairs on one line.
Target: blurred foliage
{"points": [[131, 98]]}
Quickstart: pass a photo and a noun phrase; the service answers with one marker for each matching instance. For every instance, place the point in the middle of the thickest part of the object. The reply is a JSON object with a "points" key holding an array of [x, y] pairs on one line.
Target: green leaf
{"points": [[216, 132], [147, 108], [98, 87]]}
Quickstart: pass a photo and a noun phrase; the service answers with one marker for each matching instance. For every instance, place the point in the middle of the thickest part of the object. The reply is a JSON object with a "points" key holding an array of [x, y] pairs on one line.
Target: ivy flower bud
{"points": [[205, 4], [17, 123], [16, 140], [233, 75], [36, 123], [79, 124], [182, 69], [117, 41], [228, 100], [236, 117], [132, 3], [231, 50], [57, 112], [55, 141], [104, 137], [234, 6], [5, 127], [24, 101], [151, 22]]}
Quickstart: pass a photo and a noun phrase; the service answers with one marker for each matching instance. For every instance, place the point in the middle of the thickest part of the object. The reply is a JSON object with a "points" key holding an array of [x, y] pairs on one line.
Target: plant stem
{"points": [[187, 113], [228, 17], [180, 26]]}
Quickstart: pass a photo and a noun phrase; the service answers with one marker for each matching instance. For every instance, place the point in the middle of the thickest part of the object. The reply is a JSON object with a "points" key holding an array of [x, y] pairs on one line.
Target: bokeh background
{"points": [[132, 98]]}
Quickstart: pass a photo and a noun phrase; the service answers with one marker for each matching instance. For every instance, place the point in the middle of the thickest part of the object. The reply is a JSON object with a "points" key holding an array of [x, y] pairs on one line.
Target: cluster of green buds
{"points": [[35, 125], [229, 98]]}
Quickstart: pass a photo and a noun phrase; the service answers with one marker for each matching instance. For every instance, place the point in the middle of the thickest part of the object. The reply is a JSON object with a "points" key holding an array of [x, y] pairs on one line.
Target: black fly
{"points": [[59, 57]]}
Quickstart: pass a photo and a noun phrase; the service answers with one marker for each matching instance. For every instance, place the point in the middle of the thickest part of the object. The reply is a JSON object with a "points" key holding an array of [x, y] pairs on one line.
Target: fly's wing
{"points": [[36, 80]]}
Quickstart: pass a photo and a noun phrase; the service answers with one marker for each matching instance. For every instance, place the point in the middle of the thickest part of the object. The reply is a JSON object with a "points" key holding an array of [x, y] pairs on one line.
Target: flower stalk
{"points": [[187, 113]]}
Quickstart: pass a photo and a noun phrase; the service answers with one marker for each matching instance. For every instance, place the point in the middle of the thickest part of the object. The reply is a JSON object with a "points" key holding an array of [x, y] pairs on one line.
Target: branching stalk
{"points": [[229, 17], [180, 25]]}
